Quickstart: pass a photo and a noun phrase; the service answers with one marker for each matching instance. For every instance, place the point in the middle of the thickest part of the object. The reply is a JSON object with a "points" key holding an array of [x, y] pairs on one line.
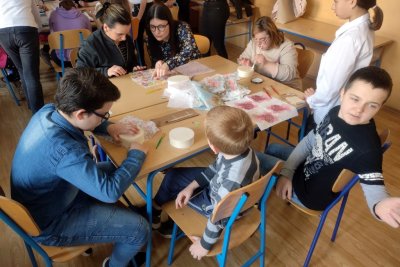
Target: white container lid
{"points": [[181, 137], [178, 79]]}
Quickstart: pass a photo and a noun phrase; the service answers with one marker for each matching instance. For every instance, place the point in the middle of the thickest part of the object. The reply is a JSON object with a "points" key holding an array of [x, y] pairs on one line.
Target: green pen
{"points": [[160, 140]]}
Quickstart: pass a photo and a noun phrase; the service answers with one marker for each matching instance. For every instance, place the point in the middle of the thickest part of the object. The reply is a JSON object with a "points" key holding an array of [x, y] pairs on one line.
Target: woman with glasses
{"points": [[271, 54], [170, 43], [110, 48]]}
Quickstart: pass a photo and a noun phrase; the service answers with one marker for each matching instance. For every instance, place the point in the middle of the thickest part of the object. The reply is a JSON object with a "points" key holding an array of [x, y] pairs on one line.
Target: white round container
{"points": [[177, 79], [245, 71], [128, 139], [181, 137]]}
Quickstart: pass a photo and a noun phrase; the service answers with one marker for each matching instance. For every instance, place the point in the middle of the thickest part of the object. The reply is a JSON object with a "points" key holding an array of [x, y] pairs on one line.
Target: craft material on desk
{"points": [[181, 137], [266, 91], [225, 86], [149, 128], [128, 139], [175, 117], [177, 79], [145, 78], [160, 140], [193, 68], [264, 110], [275, 91]]}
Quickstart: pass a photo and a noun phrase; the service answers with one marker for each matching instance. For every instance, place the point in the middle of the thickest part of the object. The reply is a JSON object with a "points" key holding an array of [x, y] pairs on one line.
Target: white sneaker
{"points": [[106, 262]]}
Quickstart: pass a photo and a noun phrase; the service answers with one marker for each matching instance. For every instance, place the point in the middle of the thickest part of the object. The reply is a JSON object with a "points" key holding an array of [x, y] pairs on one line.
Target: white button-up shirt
{"points": [[19, 13], [351, 50]]}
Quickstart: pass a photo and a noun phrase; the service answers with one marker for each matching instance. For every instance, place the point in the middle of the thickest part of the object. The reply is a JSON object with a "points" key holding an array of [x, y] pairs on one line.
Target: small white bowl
{"points": [[245, 71], [127, 139], [181, 137]]}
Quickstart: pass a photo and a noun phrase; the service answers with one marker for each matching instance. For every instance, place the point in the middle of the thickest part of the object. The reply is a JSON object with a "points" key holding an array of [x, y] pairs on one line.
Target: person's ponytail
{"points": [[377, 21]]}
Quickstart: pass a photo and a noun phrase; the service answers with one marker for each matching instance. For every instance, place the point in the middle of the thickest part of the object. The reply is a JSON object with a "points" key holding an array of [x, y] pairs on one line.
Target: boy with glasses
{"points": [[55, 177]]}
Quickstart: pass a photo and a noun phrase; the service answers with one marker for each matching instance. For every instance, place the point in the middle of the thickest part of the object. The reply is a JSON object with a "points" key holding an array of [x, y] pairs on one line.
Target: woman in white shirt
{"points": [[351, 50], [271, 54]]}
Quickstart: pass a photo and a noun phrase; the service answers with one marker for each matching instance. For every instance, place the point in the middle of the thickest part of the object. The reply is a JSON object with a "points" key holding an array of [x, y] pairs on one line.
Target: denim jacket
{"points": [[53, 164]]}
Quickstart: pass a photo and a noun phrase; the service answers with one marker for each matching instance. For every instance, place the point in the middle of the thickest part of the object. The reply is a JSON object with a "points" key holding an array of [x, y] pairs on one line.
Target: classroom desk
{"points": [[166, 156], [135, 97], [324, 34]]}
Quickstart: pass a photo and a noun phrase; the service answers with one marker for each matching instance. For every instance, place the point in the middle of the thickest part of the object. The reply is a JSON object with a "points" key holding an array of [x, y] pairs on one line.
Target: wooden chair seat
{"points": [[242, 229], [237, 229], [15, 215]]}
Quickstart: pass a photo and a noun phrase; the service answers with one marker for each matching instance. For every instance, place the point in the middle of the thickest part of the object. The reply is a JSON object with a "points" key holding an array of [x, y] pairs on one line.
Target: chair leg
{"points": [[31, 255], [9, 87], [288, 129], [316, 236], [172, 244], [339, 218], [268, 137]]}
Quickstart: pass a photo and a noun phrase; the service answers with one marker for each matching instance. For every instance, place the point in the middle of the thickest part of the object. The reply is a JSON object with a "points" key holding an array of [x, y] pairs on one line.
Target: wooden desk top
{"points": [[134, 97], [320, 32], [165, 154]]}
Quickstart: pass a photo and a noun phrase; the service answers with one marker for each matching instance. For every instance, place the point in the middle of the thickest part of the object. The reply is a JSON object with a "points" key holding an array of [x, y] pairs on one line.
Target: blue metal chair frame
{"points": [[9, 87], [343, 195], [62, 53], [221, 258], [29, 242]]}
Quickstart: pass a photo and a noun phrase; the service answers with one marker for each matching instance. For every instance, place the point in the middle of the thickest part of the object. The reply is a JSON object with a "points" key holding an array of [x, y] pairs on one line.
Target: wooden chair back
{"points": [[71, 38], [135, 28], [255, 191], [202, 43], [19, 214], [68, 39], [74, 56], [305, 59], [21, 218], [174, 11]]}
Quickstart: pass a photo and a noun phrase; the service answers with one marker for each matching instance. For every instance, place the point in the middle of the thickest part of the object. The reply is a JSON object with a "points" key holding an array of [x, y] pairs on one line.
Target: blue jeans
{"points": [[22, 46], [174, 182], [90, 221], [274, 153]]}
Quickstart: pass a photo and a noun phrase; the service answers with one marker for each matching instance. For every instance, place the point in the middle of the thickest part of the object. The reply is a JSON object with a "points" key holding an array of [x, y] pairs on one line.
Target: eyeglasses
{"points": [[160, 28], [104, 117], [261, 40]]}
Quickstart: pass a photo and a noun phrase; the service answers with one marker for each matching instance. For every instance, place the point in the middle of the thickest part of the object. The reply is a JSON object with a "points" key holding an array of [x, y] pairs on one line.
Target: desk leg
{"points": [[303, 123], [149, 201]]}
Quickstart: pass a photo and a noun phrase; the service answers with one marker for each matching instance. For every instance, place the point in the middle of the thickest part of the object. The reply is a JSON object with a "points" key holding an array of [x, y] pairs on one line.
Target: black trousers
{"points": [[22, 46], [142, 28], [212, 24]]}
